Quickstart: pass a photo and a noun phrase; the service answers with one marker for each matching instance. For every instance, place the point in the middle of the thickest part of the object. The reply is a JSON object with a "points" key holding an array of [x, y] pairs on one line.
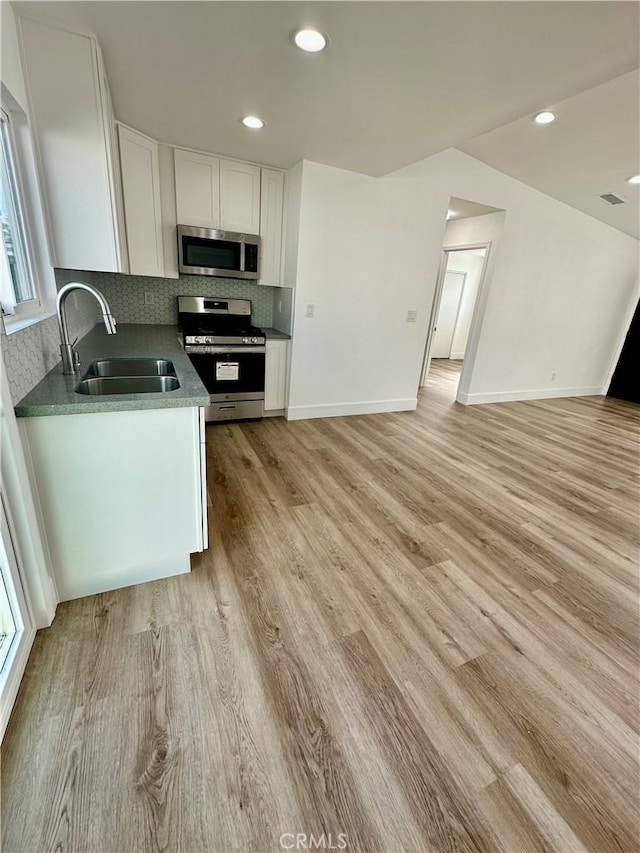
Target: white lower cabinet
{"points": [[122, 495], [275, 376]]}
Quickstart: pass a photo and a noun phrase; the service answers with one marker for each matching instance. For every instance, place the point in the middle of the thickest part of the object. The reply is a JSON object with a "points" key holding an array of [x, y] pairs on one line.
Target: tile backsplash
{"points": [[141, 299], [32, 352]]}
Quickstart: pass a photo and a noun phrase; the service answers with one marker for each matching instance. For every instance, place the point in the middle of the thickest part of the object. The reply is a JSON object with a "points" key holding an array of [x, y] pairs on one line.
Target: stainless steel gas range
{"points": [[227, 352]]}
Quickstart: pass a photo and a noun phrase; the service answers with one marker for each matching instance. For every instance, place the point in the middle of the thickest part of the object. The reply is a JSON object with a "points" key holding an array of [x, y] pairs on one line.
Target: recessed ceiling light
{"points": [[310, 39], [253, 122], [634, 179], [545, 117]]}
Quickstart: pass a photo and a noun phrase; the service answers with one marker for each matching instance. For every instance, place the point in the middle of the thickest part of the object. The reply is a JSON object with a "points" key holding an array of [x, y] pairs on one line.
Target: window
{"points": [[17, 288]]}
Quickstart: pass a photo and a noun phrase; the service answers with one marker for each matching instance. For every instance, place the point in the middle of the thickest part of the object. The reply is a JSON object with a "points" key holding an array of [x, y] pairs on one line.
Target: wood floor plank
{"points": [[419, 629], [447, 821]]}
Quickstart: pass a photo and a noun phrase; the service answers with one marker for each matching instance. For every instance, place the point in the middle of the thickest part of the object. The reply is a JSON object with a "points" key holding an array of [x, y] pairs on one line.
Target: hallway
{"points": [[443, 378]]}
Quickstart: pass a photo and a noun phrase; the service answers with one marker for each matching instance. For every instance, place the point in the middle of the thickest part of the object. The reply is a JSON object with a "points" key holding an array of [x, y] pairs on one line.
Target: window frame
{"points": [[32, 220], [17, 202]]}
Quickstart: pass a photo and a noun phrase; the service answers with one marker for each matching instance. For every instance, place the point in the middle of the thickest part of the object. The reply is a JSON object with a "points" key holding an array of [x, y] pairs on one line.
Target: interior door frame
{"points": [[437, 299]]}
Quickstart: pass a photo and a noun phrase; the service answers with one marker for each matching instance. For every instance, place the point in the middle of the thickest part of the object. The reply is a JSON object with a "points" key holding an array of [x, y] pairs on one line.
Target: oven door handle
{"points": [[203, 349]]}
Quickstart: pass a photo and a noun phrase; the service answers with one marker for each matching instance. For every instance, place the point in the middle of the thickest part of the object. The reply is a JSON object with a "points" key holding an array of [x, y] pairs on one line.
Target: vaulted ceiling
{"points": [[399, 81]]}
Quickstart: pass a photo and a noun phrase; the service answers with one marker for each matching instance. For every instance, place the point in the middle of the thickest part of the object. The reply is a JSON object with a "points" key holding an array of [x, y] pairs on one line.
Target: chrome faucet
{"points": [[70, 360]]}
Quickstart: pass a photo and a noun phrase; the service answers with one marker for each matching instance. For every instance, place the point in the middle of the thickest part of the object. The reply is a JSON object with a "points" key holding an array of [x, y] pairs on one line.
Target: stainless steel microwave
{"points": [[205, 251]]}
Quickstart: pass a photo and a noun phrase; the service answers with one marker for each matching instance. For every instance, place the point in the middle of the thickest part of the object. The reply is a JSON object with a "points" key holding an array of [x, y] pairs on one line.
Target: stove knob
{"points": [[245, 340], [254, 340]]}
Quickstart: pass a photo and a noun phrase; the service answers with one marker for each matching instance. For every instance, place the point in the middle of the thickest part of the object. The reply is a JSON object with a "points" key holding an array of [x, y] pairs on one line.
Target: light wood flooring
{"points": [[416, 629], [444, 376]]}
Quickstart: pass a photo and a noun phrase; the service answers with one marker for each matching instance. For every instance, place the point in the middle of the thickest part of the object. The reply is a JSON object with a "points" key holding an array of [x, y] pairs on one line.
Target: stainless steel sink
{"points": [[130, 367], [99, 385]]}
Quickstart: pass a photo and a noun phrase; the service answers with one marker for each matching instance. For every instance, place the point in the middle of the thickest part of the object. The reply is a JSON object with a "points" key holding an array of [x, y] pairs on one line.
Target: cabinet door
{"points": [[113, 164], [141, 192], [68, 122], [136, 485], [197, 189], [271, 216], [275, 375], [239, 197]]}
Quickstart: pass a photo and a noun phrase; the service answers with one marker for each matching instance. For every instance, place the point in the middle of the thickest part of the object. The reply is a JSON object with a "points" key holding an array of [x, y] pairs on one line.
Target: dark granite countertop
{"points": [[276, 335], [55, 395]]}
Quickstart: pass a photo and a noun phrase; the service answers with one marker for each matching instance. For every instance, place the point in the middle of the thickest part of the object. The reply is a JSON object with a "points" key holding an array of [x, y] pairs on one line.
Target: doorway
{"points": [[625, 384], [459, 281]]}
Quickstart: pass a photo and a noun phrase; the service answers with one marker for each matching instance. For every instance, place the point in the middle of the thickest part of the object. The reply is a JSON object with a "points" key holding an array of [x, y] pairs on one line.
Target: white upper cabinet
{"points": [[142, 208], [215, 193], [74, 143], [239, 197], [197, 189], [271, 215]]}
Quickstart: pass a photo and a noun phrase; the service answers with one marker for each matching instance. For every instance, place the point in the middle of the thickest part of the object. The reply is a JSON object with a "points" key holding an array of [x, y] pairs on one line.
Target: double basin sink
{"points": [[129, 376]]}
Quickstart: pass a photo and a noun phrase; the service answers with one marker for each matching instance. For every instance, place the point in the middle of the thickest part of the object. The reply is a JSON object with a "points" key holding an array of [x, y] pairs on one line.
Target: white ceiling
{"points": [[591, 148], [400, 80]]}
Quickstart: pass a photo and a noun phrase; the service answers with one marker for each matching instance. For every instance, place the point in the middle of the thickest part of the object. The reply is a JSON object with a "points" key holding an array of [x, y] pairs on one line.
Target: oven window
{"points": [[212, 254], [231, 373]]}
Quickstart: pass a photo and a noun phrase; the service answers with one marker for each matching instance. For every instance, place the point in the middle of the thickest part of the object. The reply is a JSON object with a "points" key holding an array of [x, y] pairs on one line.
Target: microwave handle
{"points": [[251, 258]]}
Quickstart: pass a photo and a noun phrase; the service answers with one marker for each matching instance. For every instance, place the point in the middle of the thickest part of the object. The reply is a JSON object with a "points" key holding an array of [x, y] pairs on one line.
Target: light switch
{"points": [[311, 310], [411, 316]]}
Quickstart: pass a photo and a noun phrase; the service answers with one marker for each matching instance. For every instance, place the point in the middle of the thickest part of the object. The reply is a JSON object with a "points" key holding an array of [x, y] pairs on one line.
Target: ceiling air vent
{"points": [[612, 198]]}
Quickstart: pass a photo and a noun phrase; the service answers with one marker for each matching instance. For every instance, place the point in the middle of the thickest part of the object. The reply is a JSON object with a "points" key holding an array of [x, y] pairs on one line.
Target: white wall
{"points": [[341, 358], [559, 287], [474, 229], [292, 204]]}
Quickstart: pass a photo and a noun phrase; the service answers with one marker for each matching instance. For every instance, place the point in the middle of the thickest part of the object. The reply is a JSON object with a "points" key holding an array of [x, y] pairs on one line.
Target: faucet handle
{"points": [[76, 357]]}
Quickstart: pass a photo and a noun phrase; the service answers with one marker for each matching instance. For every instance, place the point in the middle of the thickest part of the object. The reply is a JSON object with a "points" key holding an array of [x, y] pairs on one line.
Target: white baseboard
{"points": [[336, 410], [529, 394]]}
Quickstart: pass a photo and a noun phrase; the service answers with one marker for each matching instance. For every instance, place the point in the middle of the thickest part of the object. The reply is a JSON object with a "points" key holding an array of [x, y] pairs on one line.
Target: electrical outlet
{"points": [[149, 298], [412, 316], [553, 376], [311, 310]]}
